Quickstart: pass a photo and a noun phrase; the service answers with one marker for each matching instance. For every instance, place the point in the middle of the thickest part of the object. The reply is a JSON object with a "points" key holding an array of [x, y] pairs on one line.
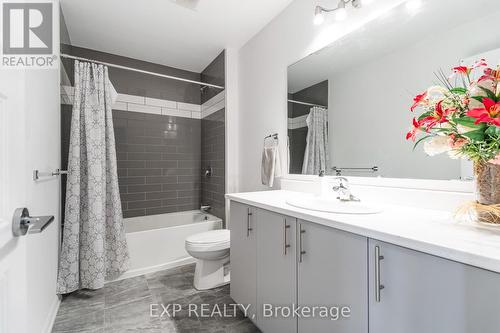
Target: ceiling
{"points": [[166, 32]]}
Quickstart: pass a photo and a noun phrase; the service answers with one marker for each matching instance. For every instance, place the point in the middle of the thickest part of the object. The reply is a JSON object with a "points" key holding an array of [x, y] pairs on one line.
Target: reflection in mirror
{"points": [[349, 103]]}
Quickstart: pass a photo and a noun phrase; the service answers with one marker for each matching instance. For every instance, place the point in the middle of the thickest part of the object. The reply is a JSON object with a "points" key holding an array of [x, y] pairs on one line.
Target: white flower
{"points": [[436, 94], [436, 145]]}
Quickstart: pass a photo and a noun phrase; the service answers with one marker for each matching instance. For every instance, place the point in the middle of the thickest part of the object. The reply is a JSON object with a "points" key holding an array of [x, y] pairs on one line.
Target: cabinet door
{"points": [[243, 256], [423, 293], [332, 272], [276, 270]]}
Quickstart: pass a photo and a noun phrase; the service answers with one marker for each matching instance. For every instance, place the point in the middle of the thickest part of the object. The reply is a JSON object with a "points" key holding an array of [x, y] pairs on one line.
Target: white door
{"points": [[29, 139]]}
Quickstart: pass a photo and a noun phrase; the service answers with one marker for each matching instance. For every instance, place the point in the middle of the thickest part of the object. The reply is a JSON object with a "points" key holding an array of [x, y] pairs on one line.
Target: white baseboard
{"points": [[152, 269], [51, 317]]}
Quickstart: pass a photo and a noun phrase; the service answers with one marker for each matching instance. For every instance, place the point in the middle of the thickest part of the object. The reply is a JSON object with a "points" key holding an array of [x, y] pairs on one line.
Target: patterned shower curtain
{"points": [[316, 156], [94, 248]]}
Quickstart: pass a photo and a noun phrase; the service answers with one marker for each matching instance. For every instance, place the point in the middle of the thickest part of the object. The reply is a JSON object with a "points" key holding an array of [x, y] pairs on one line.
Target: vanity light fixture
{"points": [[340, 11]]}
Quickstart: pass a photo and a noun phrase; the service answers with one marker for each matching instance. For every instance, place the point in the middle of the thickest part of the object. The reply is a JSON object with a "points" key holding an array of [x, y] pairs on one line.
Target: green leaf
{"points": [[425, 114], [493, 131], [477, 135], [458, 90], [468, 122], [489, 93], [420, 140], [478, 98]]}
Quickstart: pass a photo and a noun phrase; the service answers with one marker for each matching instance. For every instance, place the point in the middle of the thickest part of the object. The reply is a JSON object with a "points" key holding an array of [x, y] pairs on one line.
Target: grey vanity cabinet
{"points": [[276, 270], [423, 293], [332, 271], [243, 256]]}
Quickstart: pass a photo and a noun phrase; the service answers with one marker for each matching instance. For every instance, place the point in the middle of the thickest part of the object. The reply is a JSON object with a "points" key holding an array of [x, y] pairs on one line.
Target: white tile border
{"points": [[214, 104], [297, 122], [149, 105]]}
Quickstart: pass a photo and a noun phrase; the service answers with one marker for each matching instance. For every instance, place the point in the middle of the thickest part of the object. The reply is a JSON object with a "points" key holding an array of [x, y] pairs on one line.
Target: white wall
{"points": [[368, 123], [263, 63]]}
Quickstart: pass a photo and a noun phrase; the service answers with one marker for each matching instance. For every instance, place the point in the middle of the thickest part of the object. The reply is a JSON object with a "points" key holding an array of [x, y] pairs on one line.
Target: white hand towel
{"points": [[271, 163]]}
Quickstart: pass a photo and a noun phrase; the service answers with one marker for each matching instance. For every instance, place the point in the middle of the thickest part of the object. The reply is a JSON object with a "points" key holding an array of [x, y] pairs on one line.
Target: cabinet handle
{"points": [[301, 251], [378, 286], [249, 213], [285, 242]]}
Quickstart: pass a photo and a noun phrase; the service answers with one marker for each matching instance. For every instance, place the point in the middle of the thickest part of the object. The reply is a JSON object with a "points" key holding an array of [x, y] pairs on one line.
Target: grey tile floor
{"points": [[124, 306]]}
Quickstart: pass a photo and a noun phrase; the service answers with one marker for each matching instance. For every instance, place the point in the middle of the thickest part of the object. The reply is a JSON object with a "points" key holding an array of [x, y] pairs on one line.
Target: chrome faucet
{"points": [[343, 190], [205, 208]]}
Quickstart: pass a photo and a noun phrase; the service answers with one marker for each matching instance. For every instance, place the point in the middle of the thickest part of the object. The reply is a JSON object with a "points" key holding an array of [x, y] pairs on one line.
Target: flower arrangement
{"points": [[461, 117]]}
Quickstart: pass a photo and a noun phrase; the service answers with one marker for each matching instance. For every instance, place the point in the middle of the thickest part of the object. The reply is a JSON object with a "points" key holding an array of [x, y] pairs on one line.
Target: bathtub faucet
{"points": [[205, 208]]}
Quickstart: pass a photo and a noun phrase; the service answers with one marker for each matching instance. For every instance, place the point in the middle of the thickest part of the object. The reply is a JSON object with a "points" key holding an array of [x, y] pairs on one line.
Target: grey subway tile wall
{"points": [[160, 157], [213, 147], [138, 84], [213, 156], [159, 163], [214, 73]]}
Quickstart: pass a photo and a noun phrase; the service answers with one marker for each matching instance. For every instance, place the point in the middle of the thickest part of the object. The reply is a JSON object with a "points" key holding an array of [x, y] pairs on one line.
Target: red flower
{"points": [[413, 133], [440, 116], [480, 63], [490, 113], [462, 70], [419, 99]]}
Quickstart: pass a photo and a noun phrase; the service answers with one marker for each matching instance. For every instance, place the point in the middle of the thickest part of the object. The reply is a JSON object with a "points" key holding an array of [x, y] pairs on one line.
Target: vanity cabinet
{"points": [[276, 270], [332, 271], [414, 292], [243, 256]]}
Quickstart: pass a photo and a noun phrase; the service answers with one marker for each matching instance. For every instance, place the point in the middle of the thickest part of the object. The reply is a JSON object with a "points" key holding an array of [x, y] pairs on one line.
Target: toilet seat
{"points": [[209, 241]]}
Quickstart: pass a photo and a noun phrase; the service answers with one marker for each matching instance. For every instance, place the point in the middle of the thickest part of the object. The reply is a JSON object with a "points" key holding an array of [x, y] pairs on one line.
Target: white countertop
{"points": [[431, 231]]}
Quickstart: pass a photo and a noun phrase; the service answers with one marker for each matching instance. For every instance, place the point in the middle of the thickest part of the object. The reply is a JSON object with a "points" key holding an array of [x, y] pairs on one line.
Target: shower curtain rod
{"points": [[63, 55], [304, 103]]}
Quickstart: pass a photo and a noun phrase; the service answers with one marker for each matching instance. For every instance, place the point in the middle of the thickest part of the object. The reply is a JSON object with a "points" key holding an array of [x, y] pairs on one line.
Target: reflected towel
{"points": [[271, 164]]}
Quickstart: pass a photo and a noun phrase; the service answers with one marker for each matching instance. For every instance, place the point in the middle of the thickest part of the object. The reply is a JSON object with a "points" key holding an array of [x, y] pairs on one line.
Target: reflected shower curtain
{"points": [[316, 156], [94, 248]]}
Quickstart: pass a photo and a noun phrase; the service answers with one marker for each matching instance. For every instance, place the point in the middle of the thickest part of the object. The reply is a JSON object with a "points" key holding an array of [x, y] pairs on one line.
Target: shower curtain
{"points": [[316, 156], [94, 248]]}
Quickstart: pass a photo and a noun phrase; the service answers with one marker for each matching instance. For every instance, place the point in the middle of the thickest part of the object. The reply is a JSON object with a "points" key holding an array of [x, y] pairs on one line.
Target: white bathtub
{"points": [[156, 242]]}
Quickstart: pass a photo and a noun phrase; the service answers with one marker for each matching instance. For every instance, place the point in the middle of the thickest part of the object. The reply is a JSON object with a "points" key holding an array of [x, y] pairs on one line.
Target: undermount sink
{"points": [[332, 205]]}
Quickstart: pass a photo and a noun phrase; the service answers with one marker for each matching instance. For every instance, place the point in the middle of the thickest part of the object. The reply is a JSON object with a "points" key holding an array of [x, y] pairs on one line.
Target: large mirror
{"points": [[349, 103]]}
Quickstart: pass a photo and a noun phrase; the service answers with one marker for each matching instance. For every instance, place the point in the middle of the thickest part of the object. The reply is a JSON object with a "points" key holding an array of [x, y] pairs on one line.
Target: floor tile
{"points": [[132, 316], [124, 306], [125, 291]]}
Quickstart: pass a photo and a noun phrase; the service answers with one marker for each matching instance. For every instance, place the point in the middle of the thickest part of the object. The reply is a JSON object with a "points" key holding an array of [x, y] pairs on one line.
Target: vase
{"points": [[487, 192]]}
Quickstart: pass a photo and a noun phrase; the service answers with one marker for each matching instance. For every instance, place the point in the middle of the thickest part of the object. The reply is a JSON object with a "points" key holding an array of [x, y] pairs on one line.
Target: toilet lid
{"points": [[209, 237]]}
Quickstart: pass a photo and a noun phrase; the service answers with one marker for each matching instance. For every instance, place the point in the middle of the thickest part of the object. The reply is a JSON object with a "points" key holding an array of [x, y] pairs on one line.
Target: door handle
{"points": [[378, 286], [301, 250], [285, 241], [249, 213], [23, 223]]}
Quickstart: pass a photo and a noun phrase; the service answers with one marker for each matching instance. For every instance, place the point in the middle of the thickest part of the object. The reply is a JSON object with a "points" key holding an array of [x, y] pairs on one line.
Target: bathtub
{"points": [[156, 242]]}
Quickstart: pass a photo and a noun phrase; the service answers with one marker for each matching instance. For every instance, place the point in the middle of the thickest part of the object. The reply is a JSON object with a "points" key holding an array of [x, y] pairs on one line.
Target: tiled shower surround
{"points": [[213, 154], [159, 163], [160, 140]]}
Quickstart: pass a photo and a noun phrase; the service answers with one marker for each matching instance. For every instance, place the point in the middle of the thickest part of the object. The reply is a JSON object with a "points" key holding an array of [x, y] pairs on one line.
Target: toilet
{"points": [[211, 251]]}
